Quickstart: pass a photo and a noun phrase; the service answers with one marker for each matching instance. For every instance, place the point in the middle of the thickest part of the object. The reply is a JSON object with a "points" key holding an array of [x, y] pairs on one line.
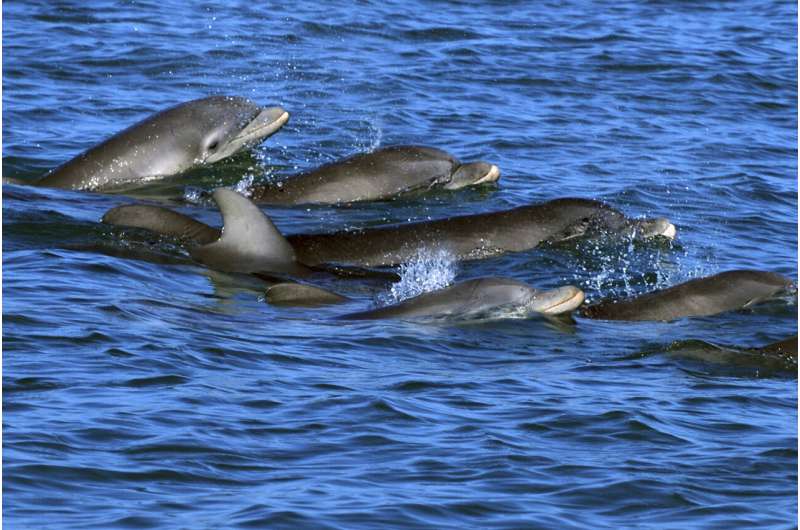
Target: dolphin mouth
{"points": [[670, 231], [264, 125], [491, 176], [650, 228], [573, 297]]}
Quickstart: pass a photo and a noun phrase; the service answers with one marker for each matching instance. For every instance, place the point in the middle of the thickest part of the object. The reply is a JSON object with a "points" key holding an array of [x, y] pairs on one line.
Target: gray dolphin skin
{"points": [[249, 241], [483, 298], [467, 237], [726, 291], [776, 358], [180, 138], [786, 347], [471, 237], [382, 174], [300, 294]]}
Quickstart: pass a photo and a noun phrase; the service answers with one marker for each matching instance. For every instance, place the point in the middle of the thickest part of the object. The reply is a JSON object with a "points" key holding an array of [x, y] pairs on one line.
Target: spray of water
{"points": [[429, 270], [612, 267], [245, 185]]}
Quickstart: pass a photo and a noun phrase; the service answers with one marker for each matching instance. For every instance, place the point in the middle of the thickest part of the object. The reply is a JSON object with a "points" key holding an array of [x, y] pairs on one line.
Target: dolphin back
{"points": [[366, 176], [708, 296], [162, 221]]}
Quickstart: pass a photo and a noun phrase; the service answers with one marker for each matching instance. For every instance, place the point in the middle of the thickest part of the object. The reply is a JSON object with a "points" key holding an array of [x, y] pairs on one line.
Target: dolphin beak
{"points": [[264, 125], [566, 299], [491, 176], [669, 231], [657, 227]]}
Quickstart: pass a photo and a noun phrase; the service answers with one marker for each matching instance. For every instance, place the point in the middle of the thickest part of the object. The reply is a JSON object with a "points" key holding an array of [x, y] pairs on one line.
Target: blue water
{"points": [[139, 394]]}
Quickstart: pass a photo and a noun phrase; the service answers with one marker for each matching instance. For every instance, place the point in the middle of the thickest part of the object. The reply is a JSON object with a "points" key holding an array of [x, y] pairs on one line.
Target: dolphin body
{"points": [[726, 291], [467, 237], [382, 174], [480, 299], [772, 359], [191, 134]]}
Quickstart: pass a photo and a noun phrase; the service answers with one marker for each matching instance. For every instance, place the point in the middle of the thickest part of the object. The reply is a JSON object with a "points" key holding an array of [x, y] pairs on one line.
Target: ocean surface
{"points": [[153, 393]]}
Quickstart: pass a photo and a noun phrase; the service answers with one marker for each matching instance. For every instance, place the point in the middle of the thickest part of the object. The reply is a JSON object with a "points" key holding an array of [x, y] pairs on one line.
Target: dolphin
{"points": [[726, 291], [381, 174], [775, 358], [480, 299], [192, 134], [786, 347], [467, 237]]}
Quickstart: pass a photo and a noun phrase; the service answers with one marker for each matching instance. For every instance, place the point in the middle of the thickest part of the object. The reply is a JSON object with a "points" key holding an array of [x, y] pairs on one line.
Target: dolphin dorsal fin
{"points": [[250, 242]]}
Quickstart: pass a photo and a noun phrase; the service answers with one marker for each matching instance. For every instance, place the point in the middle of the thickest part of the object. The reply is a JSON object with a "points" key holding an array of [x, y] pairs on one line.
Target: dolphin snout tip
{"points": [[493, 175], [669, 231], [283, 118], [569, 299]]}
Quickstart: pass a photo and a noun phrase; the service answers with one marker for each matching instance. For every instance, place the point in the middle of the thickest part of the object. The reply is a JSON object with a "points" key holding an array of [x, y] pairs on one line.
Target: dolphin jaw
{"points": [[659, 227], [670, 231], [263, 125], [493, 175], [571, 299]]}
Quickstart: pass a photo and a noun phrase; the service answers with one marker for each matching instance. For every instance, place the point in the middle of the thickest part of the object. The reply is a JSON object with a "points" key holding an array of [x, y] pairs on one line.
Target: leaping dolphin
{"points": [[180, 138]]}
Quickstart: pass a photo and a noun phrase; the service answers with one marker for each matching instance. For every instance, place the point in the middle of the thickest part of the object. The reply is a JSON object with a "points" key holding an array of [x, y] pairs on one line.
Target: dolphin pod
{"points": [[726, 291], [468, 237], [188, 135], [381, 174], [207, 130]]}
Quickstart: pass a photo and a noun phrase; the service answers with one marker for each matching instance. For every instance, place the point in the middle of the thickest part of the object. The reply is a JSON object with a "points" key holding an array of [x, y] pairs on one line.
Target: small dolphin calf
{"points": [[188, 135], [726, 291], [378, 175], [484, 298], [467, 237]]}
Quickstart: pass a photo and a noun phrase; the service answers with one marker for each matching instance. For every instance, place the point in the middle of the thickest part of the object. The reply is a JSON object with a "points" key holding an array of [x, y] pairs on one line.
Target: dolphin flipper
{"points": [[249, 243]]}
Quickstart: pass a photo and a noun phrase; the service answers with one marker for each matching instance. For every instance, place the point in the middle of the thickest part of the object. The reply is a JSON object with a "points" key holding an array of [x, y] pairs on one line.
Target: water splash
{"points": [[429, 270], [245, 185], [620, 267], [194, 195], [375, 134]]}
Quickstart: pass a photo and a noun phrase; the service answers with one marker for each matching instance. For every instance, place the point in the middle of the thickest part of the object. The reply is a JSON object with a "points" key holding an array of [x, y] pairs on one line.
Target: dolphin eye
{"points": [[213, 145]]}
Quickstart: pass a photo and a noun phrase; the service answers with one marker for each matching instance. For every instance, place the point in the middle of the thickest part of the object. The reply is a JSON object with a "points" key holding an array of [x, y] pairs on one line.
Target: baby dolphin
{"points": [[480, 299], [726, 291], [378, 175], [467, 237], [192, 134]]}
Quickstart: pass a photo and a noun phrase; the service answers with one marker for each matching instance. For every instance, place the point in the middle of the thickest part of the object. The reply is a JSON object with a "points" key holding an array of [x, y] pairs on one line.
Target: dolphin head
{"points": [[649, 228], [557, 301], [220, 126], [472, 174]]}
